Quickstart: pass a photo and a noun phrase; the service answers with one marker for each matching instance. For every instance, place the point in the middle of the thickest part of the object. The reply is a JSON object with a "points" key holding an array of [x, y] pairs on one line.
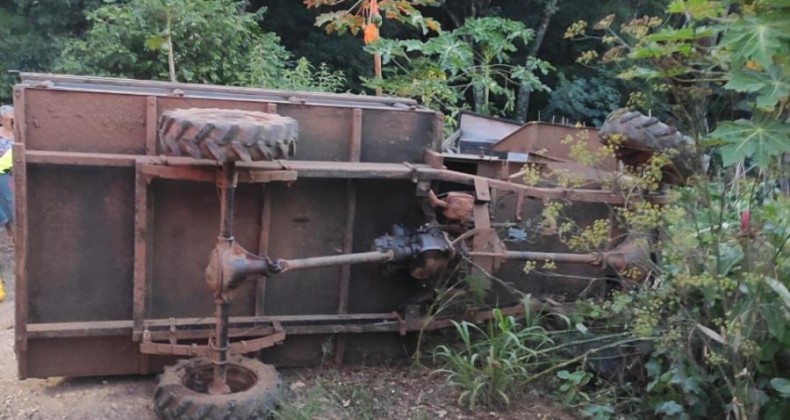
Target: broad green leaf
{"points": [[780, 290], [653, 368], [453, 54], [742, 80], [772, 85], [758, 140], [669, 408], [777, 85], [760, 38], [329, 17], [697, 9], [672, 34], [774, 321], [689, 384], [768, 97], [412, 44], [683, 34], [781, 385]]}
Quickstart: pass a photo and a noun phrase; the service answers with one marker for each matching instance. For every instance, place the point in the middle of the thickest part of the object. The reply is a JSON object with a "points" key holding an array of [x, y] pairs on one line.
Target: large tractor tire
{"points": [[638, 137], [227, 134], [182, 391]]}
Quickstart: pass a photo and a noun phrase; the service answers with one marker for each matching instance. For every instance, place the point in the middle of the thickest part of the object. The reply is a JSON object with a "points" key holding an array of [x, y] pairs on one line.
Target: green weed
{"points": [[491, 362]]}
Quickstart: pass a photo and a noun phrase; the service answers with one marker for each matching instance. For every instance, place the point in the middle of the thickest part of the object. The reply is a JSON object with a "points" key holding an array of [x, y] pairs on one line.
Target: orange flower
{"points": [[371, 33]]}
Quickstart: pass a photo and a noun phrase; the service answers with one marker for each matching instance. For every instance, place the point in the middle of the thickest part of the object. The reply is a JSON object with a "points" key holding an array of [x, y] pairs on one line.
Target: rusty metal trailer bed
{"points": [[112, 236]]}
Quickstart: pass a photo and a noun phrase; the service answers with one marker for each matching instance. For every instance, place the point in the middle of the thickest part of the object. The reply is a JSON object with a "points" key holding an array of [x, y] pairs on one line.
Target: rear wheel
{"points": [[638, 137], [182, 390], [227, 134]]}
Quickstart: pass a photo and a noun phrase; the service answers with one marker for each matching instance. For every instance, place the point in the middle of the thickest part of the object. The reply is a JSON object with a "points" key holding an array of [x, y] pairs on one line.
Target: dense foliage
{"points": [[212, 41], [470, 62], [109, 37], [707, 334]]}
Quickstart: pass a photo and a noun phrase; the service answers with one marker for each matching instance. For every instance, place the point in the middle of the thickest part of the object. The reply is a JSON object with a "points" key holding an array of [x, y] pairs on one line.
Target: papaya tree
{"points": [[471, 63]]}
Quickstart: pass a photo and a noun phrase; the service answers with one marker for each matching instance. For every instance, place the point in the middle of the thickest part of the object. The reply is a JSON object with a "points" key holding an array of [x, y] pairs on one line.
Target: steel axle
{"points": [[230, 264]]}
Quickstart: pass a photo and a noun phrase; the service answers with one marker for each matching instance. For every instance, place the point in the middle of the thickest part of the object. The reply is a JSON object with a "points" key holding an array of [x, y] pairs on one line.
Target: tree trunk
{"points": [[478, 99], [377, 72], [171, 61], [524, 90]]}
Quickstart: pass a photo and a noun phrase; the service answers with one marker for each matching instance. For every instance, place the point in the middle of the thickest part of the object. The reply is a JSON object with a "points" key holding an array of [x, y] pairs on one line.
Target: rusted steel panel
{"points": [[85, 122], [263, 247], [301, 350], [377, 348], [307, 221], [84, 356], [114, 123], [549, 140], [21, 297], [381, 205], [78, 188], [396, 136], [80, 243], [166, 103], [150, 87], [151, 125], [185, 229], [483, 128], [323, 132], [575, 277], [354, 155], [143, 257], [348, 244]]}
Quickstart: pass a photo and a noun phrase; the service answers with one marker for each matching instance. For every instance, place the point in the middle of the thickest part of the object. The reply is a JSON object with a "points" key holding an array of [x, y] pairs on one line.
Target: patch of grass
{"points": [[330, 396], [490, 363], [358, 401], [308, 405]]}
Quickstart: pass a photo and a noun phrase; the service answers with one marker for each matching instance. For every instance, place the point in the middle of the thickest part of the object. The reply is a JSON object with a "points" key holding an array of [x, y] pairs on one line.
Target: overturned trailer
{"points": [[123, 186]]}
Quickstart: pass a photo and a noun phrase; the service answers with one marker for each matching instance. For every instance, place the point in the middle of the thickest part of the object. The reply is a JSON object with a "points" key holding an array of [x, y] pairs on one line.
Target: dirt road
{"points": [[61, 398]]}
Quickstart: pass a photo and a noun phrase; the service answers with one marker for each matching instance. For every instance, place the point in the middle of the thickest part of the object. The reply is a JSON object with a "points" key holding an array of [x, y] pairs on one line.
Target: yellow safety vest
{"points": [[6, 162]]}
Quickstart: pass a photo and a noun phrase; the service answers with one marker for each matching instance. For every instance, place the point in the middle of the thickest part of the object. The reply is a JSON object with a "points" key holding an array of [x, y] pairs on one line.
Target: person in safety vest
{"points": [[6, 192]]}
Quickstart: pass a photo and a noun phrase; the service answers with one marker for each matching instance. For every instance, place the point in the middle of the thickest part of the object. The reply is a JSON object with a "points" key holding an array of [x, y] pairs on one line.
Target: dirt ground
{"points": [[401, 392]]}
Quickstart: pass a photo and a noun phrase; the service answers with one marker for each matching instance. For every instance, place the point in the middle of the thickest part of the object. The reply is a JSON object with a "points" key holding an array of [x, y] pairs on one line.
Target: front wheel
{"points": [[182, 390]]}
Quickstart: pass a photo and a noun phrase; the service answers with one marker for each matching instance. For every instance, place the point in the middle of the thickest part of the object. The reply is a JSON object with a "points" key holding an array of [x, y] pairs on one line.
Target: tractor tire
{"points": [[638, 137], [182, 390], [227, 134]]}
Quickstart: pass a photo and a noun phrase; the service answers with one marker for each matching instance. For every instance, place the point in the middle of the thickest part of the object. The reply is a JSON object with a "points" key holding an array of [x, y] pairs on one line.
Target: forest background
{"points": [[281, 44]]}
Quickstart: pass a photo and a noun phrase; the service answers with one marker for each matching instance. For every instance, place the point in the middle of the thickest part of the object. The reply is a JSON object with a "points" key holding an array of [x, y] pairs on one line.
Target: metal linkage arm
{"points": [[632, 253], [560, 257], [231, 264], [333, 260]]}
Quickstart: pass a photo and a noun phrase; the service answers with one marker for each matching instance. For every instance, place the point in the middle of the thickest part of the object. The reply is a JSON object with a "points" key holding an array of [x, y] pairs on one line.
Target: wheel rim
{"points": [[239, 378]]}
